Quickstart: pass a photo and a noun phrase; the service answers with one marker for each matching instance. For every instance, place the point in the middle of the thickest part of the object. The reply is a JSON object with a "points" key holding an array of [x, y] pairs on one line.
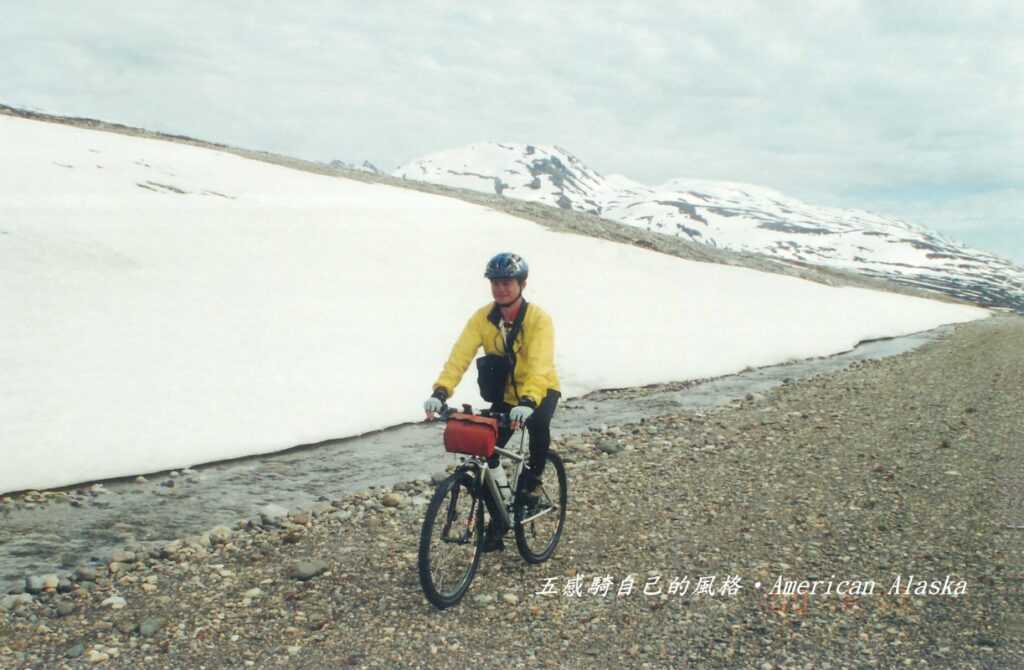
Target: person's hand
{"points": [[432, 406], [519, 415]]}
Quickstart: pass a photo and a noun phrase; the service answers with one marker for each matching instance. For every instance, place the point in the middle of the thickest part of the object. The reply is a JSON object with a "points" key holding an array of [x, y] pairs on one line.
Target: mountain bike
{"points": [[452, 535]]}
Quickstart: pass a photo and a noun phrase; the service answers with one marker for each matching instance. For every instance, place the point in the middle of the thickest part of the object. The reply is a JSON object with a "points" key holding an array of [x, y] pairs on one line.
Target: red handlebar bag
{"points": [[471, 434]]}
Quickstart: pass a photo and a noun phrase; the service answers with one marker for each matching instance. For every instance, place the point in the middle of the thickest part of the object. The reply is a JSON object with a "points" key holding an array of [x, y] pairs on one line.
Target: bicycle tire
{"points": [[538, 537], [444, 509]]}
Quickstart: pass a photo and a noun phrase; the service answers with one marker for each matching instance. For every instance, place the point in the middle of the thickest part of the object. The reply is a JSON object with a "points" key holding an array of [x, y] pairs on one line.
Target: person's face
{"points": [[506, 291]]}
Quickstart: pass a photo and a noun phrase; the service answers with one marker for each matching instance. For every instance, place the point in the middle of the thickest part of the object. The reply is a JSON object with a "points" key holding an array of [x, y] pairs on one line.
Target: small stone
{"points": [[75, 650], [125, 626], [13, 602], [219, 535], [116, 567], [170, 549], [305, 570], [393, 500], [198, 541], [96, 656], [115, 602], [65, 585], [34, 584], [149, 627], [119, 556], [141, 480], [253, 593], [273, 515], [292, 537], [609, 446], [321, 508], [85, 574], [65, 607], [294, 650], [510, 598]]}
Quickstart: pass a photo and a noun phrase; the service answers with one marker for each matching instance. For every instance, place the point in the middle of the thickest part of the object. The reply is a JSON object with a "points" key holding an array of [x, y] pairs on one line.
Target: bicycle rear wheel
{"points": [[450, 540], [538, 523]]}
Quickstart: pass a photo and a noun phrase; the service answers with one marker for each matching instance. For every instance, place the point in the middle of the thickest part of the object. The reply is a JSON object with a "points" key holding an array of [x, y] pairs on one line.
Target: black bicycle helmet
{"points": [[507, 266]]}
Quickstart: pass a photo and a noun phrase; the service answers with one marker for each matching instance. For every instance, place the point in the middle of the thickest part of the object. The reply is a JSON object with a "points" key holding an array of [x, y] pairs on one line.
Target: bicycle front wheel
{"points": [[450, 540], [539, 521]]}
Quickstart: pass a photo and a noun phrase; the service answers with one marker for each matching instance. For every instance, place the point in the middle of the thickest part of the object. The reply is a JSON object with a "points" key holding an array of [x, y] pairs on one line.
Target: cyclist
{"points": [[531, 389]]}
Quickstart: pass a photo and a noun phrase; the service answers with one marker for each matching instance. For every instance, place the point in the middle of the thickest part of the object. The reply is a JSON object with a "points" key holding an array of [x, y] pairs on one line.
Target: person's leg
{"points": [[492, 538], [539, 428]]}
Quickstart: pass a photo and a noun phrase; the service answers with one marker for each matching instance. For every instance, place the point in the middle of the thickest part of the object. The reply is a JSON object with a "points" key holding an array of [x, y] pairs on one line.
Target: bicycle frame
{"points": [[503, 505]]}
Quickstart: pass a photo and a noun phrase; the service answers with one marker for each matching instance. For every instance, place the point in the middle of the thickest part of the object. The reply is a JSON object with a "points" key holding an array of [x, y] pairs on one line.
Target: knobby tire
{"points": [[458, 494], [544, 531]]}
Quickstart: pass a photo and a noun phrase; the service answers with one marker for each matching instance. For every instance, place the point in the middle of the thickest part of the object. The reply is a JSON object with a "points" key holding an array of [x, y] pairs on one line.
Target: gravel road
{"points": [[909, 468]]}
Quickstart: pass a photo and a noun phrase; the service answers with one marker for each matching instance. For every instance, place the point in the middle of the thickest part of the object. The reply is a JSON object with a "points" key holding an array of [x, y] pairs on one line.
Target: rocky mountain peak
{"points": [[732, 215]]}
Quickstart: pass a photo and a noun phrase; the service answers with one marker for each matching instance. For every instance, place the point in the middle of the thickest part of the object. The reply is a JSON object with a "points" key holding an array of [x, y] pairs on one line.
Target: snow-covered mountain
{"points": [[734, 216]]}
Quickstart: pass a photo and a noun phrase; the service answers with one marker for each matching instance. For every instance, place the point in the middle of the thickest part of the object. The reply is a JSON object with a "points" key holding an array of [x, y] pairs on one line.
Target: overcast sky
{"points": [[909, 109]]}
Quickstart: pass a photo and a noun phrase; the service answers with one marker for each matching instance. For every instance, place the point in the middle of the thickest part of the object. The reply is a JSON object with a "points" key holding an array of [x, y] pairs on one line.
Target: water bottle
{"points": [[498, 475]]}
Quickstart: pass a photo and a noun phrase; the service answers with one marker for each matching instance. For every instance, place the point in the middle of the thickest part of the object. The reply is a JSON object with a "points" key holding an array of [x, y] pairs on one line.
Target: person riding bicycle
{"points": [[530, 388]]}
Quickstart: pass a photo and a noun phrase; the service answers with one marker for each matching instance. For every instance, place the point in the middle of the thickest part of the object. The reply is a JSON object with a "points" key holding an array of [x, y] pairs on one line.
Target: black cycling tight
{"points": [[539, 428]]}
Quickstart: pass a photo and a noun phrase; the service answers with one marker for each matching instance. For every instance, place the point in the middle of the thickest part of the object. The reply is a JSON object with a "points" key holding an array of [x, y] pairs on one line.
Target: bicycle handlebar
{"points": [[446, 412]]}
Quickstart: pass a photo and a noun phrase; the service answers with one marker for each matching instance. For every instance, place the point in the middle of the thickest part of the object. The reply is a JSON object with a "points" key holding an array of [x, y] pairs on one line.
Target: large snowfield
{"points": [[165, 305]]}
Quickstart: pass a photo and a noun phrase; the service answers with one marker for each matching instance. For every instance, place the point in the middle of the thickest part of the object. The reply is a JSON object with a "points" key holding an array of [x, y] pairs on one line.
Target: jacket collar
{"points": [[495, 314]]}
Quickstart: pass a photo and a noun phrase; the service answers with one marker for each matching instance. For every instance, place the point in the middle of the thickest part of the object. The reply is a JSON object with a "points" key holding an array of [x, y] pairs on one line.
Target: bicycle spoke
{"points": [[539, 519], [448, 554]]}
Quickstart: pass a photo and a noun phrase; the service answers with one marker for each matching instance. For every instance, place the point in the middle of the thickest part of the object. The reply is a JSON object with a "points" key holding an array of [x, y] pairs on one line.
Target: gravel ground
{"points": [[906, 466]]}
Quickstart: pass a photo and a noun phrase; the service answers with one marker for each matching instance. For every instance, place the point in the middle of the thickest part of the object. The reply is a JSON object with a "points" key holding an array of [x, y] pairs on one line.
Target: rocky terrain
{"points": [[904, 468]]}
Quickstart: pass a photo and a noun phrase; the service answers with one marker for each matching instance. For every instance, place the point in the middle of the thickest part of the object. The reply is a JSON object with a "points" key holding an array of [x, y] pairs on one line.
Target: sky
{"points": [[152, 293], [910, 109]]}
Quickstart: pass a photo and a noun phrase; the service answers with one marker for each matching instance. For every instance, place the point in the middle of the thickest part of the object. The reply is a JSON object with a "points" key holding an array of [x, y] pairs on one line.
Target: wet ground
{"points": [[37, 538]]}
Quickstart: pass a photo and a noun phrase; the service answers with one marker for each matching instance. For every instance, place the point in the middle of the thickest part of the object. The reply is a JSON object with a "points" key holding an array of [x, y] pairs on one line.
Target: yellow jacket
{"points": [[534, 348]]}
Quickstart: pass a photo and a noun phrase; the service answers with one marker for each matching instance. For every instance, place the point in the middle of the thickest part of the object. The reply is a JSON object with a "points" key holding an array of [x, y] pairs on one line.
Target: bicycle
{"points": [[452, 535]]}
